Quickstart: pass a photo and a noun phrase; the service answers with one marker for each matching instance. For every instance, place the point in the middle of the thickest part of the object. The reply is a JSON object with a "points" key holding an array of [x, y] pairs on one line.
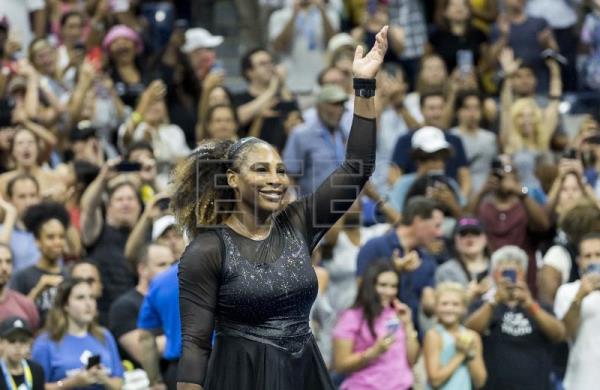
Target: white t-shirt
{"points": [[560, 258], [17, 12], [558, 13], [306, 57], [584, 355]]}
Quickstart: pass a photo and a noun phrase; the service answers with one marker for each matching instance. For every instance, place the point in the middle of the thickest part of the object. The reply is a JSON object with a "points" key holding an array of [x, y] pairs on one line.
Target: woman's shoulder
{"points": [[206, 246]]}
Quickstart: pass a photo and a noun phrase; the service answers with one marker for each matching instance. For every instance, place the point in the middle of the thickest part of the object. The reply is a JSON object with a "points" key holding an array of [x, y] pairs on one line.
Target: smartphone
{"points": [[549, 53], [93, 361], [594, 139], [163, 204], [128, 166], [464, 61], [181, 24], [570, 154], [391, 327], [510, 274], [593, 268]]}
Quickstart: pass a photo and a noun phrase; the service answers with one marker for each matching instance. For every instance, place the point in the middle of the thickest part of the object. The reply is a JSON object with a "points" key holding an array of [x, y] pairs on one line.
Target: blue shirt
{"points": [[401, 156], [312, 153], [397, 194], [160, 310], [24, 249], [411, 283], [69, 355]]}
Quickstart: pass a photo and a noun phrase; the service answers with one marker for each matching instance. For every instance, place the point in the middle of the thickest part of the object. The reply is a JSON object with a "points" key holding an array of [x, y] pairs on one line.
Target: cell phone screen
{"points": [[128, 166], [93, 361], [510, 274]]}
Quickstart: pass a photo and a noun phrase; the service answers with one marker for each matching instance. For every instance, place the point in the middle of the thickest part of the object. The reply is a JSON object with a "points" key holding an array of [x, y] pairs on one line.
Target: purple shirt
{"points": [[390, 370]]}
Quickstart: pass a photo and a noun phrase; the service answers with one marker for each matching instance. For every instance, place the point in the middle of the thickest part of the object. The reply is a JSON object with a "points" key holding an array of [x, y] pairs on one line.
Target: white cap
{"points": [[199, 38], [429, 139], [340, 40], [161, 225]]}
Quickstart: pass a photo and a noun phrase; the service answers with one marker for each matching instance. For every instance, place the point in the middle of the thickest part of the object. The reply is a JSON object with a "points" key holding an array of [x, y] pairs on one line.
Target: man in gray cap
{"points": [[315, 149]]}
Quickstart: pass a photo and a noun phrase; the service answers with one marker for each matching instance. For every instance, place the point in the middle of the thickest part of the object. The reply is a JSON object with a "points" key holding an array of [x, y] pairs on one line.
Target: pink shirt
{"points": [[389, 371]]}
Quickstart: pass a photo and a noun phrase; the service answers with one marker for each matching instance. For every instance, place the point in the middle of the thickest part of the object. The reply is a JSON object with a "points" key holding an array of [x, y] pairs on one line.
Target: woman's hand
{"points": [[367, 67], [381, 346], [403, 312]]}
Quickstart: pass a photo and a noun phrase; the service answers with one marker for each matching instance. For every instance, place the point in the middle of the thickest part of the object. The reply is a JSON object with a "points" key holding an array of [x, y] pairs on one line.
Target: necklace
{"points": [[243, 230]]}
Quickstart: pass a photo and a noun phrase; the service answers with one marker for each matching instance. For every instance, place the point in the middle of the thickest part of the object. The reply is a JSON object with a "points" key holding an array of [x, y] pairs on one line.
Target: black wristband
{"points": [[364, 87]]}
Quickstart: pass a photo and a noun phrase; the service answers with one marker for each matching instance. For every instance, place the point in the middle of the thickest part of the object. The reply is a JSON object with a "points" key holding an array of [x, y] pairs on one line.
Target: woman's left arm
{"points": [[337, 193], [476, 366]]}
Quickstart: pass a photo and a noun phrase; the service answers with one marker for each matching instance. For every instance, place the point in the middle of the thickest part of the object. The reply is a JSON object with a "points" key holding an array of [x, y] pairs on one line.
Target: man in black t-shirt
{"points": [[123, 313], [517, 333], [264, 107], [15, 345]]}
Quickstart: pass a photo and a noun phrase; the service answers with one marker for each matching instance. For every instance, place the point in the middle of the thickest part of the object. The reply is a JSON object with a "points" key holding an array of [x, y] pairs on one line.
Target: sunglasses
{"points": [[470, 232]]}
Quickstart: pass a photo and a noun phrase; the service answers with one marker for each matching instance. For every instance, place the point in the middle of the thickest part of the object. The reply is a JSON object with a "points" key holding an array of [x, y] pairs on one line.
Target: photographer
{"points": [[517, 332], [510, 214], [578, 305]]}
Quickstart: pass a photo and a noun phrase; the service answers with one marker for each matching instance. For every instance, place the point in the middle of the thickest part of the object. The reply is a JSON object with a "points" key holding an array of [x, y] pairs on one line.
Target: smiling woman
{"points": [[247, 273]]}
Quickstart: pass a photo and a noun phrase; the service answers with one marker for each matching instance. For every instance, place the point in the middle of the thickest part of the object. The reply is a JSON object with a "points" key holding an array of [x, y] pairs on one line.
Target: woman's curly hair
{"points": [[201, 196]]}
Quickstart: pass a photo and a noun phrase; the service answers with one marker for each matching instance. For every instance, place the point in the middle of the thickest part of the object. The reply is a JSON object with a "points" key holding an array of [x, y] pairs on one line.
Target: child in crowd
{"points": [[453, 354]]}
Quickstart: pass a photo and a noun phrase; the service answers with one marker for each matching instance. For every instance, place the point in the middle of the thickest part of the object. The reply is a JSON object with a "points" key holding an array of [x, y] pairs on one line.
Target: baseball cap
{"points": [[468, 224], [331, 93], [429, 139], [84, 130], [161, 225], [340, 40], [14, 325], [200, 38]]}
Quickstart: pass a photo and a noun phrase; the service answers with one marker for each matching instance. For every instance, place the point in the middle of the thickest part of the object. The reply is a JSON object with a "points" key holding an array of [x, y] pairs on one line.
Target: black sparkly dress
{"points": [[257, 295]]}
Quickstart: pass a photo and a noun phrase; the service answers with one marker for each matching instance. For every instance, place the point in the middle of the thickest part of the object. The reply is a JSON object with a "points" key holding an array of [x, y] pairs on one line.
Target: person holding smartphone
{"points": [[578, 305], [517, 332], [375, 343], [74, 351]]}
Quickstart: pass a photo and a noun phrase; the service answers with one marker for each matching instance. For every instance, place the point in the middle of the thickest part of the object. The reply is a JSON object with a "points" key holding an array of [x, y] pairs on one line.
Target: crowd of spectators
{"points": [[470, 260]]}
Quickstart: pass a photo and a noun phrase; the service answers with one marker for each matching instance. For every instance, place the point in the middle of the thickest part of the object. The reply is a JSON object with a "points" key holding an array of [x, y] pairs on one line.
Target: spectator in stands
{"points": [[562, 17], [432, 76], [527, 36], [13, 303], [71, 338], [22, 192], [154, 259], [480, 144], [432, 106], [70, 53], [404, 246], [510, 215], [314, 150], [48, 222], [150, 122], [410, 16], [470, 267], [15, 347], [264, 106], [457, 41], [123, 46], [27, 153], [578, 305], [517, 332], [20, 15], [200, 47], [590, 37], [431, 152], [560, 261], [300, 32], [160, 311], [106, 236], [89, 272], [526, 130], [395, 120], [453, 354], [375, 342], [7, 131], [220, 122]]}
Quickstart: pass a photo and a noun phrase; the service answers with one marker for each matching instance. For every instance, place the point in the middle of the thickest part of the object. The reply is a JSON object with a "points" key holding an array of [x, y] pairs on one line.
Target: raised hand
{"points": [[367, 67]]}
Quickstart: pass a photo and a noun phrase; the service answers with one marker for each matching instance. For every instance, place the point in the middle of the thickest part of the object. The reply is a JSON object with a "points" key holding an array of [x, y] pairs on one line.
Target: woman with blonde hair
{"points": [[453, 353]]}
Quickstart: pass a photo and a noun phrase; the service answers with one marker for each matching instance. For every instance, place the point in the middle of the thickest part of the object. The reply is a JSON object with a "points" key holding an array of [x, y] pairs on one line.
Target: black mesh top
{"points": [[264, 290]]}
